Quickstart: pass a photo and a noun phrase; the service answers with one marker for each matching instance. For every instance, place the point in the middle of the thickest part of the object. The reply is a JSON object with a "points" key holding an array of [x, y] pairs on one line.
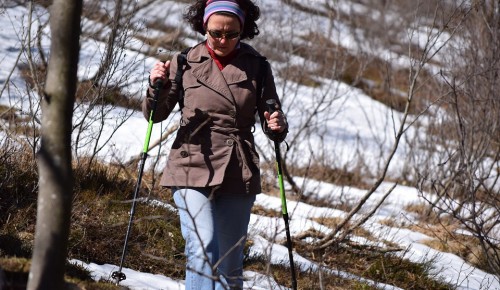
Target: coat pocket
{"points": [[186, 155]]}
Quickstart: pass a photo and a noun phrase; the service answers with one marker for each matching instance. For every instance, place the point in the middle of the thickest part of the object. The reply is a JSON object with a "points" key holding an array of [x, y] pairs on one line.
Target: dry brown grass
{"points": [[329, 222], [371, 262], [99, 219], [8, 114], [308, 280], [16, 123], [170, 38], [376, 264], [90, 92], [446, 239], [16, 271], [87, 92], [100, 216], [378, 78], [332, 175]]}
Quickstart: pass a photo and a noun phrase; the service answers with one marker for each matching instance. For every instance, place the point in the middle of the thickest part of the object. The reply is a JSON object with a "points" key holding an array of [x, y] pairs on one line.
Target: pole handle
{"points": [[157, 87], [271, 105], [158, 84]]}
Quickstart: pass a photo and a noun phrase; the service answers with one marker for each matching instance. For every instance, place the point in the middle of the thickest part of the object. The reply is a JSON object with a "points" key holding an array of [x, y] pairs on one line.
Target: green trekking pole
{"points": [[271, 103], [119, 275]]}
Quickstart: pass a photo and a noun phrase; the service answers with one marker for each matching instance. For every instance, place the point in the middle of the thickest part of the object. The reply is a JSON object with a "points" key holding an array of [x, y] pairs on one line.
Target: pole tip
{"points": [[118, 277]]}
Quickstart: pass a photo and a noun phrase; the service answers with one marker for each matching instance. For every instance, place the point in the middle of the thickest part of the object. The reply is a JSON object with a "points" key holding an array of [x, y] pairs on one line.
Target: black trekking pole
{"points": [[271, 103], [119, 275]]}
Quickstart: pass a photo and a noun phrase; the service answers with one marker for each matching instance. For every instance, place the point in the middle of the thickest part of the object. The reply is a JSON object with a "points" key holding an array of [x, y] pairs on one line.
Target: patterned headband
{"points": [[231, 6]]}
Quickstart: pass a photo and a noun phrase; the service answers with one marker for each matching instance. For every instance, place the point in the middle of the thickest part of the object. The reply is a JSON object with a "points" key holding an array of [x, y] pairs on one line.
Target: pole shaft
{"points": [[285, 214], [132, 210], [118, 275]]}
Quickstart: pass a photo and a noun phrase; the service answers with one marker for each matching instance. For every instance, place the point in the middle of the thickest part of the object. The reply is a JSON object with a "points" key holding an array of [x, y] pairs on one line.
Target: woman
{"points": [[213, 167]]}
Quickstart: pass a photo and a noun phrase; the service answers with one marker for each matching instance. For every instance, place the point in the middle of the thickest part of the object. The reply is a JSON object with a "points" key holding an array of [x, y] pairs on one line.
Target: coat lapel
{"points": [[233, 74], [209, 75]]}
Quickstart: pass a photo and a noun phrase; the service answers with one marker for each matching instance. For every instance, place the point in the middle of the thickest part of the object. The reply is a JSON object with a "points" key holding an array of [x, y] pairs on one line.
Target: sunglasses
{"points": [[226, 35]]}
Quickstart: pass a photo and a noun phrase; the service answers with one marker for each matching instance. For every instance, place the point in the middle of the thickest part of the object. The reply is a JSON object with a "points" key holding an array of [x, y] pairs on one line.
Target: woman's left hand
{"points": [[276, 121]]}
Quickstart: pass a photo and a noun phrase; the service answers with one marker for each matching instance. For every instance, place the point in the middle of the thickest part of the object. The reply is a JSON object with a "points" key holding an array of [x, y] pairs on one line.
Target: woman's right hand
{"points": [[159, 72]]}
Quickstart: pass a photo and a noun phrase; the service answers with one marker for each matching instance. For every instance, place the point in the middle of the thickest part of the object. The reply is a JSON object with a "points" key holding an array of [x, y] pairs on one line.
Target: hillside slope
{"points": [[362, 84]]}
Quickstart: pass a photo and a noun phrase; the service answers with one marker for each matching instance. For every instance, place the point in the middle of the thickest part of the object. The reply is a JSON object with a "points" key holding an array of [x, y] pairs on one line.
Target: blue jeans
{"points": [[215, 232]]}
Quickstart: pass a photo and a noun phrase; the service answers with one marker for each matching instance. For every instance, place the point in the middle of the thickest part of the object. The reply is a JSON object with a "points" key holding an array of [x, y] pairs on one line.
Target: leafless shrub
{"points": [[464, 174]]}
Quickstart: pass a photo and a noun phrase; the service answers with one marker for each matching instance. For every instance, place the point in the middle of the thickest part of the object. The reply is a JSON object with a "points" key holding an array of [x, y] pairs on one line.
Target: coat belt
{"points": [[235, 134]]}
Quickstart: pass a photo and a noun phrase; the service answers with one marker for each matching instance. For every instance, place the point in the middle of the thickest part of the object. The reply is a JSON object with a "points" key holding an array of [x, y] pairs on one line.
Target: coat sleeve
{"points": [[268, 91], [167, 99]]}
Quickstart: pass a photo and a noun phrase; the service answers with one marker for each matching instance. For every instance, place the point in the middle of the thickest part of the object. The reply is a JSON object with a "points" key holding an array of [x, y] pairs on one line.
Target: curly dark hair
{"points": [[195, 12]]}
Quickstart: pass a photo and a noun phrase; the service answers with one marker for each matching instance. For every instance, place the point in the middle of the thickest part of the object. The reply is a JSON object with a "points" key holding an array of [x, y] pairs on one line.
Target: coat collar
{"points": [[206, 71], [199, 53]]}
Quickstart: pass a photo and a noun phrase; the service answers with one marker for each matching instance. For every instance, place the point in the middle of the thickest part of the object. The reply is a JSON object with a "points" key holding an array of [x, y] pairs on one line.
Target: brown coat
{"points": [[214, 146]]}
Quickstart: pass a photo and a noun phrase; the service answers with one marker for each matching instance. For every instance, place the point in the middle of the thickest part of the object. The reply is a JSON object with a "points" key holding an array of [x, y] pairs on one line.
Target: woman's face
{"points": [[223, 33]]}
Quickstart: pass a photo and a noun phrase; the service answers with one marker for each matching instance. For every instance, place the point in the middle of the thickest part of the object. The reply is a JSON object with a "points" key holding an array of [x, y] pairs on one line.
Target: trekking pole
{"points": [[271, 103], [119, 275]]}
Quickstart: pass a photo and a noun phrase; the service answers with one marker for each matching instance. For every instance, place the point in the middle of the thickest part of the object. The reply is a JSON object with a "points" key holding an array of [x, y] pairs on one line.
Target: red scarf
{"points": [[221, 61]]}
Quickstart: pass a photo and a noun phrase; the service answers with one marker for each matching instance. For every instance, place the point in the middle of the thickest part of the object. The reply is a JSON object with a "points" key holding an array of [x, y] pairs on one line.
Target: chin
{"points": [[221, 53]]}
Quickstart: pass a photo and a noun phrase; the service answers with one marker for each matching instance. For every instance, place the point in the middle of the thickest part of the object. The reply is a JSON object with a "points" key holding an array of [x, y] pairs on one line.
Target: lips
{"points": [[223, 50]]}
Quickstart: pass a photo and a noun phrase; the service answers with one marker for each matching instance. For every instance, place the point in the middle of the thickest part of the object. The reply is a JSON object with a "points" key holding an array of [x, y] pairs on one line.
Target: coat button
{"points": [[232, 113], [229, 142], [184, 154]]}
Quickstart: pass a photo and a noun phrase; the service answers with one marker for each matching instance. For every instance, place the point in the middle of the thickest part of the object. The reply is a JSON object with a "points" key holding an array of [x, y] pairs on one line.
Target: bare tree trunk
{"points": [[54, 157]]}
